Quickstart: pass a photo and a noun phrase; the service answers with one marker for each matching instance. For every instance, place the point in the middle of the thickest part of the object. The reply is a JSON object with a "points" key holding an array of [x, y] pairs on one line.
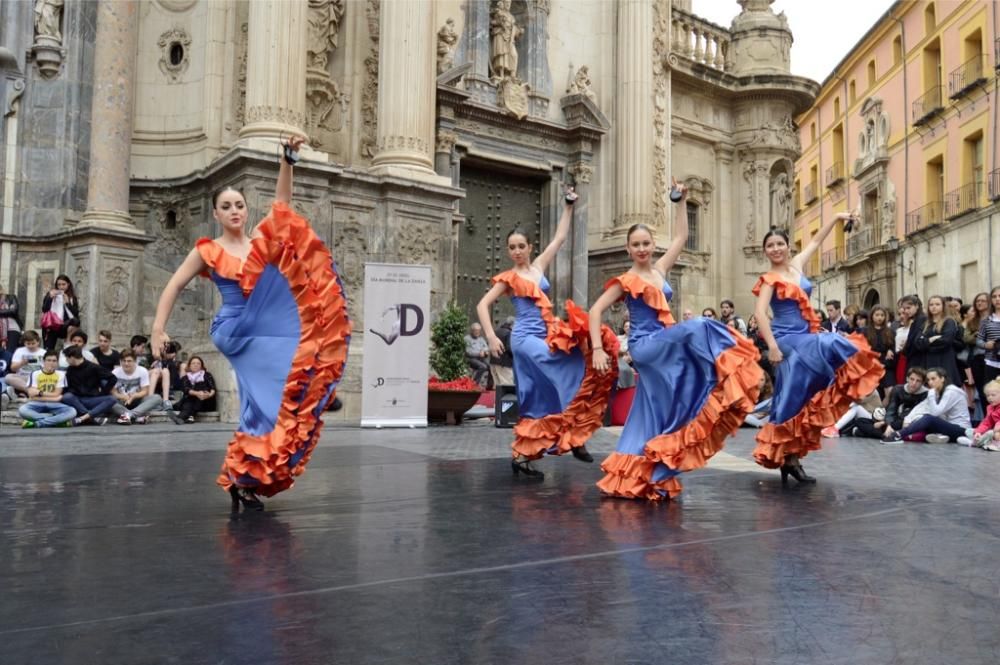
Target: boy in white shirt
{"points": [[79, 338], [25, 361], [45, 391], [133, 392]]}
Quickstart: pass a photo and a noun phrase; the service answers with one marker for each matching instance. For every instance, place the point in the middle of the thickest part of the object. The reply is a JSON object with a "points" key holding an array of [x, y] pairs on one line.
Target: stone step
{"points": [[8, 415]]}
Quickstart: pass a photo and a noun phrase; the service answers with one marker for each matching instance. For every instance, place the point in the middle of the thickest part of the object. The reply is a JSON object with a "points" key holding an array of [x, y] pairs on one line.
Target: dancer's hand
{"points": [[775, 355], [159, 340], [496, 346], [601, 361], [294, 142], [570, 195]]}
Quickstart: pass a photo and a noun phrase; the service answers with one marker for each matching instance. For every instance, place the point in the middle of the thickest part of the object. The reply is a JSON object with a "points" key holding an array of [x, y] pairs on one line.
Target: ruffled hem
{"points": [[853, 380], [637, 287], [734, 396], [559, 433], [630, 477], [788, 291], [270, 462]]}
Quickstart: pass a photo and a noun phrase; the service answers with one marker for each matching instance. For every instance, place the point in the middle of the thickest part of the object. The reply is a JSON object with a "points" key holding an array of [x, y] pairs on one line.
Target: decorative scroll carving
{"points": [[582, 172], [369, 94], [661, 108], [174, 57], [445, 141], [322, 98], [240, 93]]}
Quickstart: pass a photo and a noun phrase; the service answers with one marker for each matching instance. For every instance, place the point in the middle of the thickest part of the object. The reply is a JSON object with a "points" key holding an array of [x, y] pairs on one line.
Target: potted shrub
{"points": [[450, 392]]}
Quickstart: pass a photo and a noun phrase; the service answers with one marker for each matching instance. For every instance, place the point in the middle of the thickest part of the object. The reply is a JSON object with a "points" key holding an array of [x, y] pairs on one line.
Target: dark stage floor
{"points": [[419, 547]]}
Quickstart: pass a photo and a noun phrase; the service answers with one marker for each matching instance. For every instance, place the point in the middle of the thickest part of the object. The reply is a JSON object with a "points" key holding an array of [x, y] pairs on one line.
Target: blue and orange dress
{"points": [[283, 326], [820, 376], [697, 382], [561, 398]]}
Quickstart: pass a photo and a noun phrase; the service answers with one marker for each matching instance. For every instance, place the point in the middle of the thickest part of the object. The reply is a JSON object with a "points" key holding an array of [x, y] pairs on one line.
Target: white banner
{"points": [[397, 343]]}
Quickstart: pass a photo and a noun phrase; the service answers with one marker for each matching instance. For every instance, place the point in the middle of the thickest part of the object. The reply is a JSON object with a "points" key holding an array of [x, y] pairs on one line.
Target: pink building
{"points": [[906, 129]]}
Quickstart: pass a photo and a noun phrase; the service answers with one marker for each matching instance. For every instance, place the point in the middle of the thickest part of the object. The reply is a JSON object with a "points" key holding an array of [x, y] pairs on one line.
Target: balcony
{"points": [[809, 193], [700, 41], [995, 185], [924, 217], [962, 200], [861, 241], [832, 257], [835, 174], [927, 106], [967, 76]]}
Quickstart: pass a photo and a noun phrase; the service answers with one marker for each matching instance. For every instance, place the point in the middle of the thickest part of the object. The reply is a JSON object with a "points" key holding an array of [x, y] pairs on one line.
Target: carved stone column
{"points": [[634, 140], [276, 69], [406, 89], [582, 173], [111, 114]]}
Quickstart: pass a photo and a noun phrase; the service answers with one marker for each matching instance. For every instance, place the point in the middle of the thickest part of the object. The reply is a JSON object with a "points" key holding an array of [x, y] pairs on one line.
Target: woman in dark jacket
{"points": [[938, 340], [198, 386], [70, 314], [881, 339], [913, 308], [10, 321]]}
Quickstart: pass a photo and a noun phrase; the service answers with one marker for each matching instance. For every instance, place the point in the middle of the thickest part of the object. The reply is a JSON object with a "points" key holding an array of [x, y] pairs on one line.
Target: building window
{"points": [[897, 50], [812, 132], [692, 239], [852, 92], [836, 107], [930, 20], [872, 75]]}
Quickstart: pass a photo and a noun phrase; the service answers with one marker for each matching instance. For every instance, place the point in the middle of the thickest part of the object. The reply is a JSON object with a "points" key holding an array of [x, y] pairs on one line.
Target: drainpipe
{"points": [[906, 150], [996, 109]]}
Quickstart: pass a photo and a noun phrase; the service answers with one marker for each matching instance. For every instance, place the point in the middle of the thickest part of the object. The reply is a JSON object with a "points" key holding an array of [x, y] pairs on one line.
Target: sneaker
{"points": [[992, 446], [79, 420], [892, 440], [141, 420], [175, 418], [124, 419], [4, 400], [984, 438], [964, 441], [99, 421], [167, 405], [830, 432], [189, 420], [937, 438], [27, 424]]}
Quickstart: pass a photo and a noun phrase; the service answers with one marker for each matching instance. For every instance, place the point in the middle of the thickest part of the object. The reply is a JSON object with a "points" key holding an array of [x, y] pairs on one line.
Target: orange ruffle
{"points": [[559, 433], [637, 287], [559, 337], [853, 380], [628, 476], [288, 243], [788, 291], [734, 396]]}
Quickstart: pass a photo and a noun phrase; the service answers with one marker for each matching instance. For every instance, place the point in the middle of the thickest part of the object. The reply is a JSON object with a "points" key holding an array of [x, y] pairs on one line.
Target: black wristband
{"points": [[291, 156]]}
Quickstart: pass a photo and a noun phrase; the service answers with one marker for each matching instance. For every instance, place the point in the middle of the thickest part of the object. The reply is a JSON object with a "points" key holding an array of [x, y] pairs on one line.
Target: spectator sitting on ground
{"points": [[5, 396], [835, 321], [762, 411], [78, 338], [987, 433], [25, 360], [477, 353], [902, 401], [728, 311], [860, 412], [947, 417], [502, 366], [198, 386], [105, 355], [88, 388], [45, 408], [166, 374], [626, 373], [133, 391]]}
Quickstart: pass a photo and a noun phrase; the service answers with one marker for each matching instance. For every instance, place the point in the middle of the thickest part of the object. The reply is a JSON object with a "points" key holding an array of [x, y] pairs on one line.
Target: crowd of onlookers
{"points": [[58, 381]]}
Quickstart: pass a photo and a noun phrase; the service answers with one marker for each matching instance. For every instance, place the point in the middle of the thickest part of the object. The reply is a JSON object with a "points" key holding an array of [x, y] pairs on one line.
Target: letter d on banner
{"points": [[394, 371]]}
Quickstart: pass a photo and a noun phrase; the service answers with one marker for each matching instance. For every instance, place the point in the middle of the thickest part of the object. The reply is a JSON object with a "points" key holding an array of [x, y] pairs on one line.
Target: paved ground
{"points": [[419, 546]]}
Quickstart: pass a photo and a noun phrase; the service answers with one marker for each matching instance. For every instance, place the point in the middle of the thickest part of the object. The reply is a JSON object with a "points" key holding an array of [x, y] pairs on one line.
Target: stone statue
{"points": [[324, 23], [447, 38], [781, 202], [48, 16], [581, 84], [504, 32]]}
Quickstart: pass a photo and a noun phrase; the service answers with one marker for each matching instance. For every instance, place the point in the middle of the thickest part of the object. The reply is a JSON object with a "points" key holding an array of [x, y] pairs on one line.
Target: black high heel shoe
{"points": [[797, 472], [247, 497], [524, 466], [582, 454]]}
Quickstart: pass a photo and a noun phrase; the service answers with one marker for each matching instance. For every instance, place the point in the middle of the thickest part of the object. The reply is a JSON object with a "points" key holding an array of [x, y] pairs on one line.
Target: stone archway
{"points": [[872, 298]]}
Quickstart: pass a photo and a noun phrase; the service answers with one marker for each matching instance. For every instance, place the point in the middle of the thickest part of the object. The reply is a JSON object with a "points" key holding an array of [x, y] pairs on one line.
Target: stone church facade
{"points": [[435, 127]]}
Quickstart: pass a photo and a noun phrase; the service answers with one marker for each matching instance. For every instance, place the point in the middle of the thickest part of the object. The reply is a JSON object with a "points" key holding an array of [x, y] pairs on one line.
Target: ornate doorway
{"points": [[495, 203]]}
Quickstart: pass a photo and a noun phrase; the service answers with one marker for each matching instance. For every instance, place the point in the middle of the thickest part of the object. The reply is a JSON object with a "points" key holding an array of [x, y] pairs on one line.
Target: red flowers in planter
{"points": [[462, 384]]}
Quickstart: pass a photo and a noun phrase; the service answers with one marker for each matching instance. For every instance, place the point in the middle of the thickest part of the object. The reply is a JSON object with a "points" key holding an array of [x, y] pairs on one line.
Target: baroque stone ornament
{"points": [[240, 81], [781, 202], [323, 97], [504, 32], [369, 94], [447, 38], [581, 84], [47, 50], [324, 24], [445, 141], [661, 109], [582, 172], [513, 96], [174, 58]]}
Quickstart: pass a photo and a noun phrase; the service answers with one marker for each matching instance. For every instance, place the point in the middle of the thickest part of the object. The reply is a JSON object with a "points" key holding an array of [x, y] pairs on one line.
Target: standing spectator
{"points": [[88, 388], [989, 335], [477, 353], [835, 321], [10, 321], [953, 307], [687, 315], [882, 342], [938, 340], [502, 366], [914, 311], [198, 386], [44, 408], [902, 400], [753, 332], [947, 417], [6, 393], [728, 310], [859, 321], [45, 392], [133, 392], [78, 338], [709, 313], [977, 348], [106, 356], [62, 302], [626, 373], [25, 360]]}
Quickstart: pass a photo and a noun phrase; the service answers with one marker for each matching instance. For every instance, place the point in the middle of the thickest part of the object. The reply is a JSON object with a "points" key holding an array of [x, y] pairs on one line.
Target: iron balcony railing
{"points": [[924, 216], [962, 200], [809, 193], [835, 174], [832, 257], [966, 76], [861, 241], [994, 184], [927, 105]]}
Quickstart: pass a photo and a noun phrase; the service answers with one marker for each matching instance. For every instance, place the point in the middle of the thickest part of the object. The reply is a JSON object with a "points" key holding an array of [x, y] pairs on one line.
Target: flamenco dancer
{"points": [[561, 402], [817, 376], [283, 326], [697, 380]]}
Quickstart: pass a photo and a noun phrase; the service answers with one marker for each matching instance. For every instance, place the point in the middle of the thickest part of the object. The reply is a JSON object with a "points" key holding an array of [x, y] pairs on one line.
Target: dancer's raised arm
{"points": [[666, 262], [562, 232], [283, 190], [803, 257]]}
